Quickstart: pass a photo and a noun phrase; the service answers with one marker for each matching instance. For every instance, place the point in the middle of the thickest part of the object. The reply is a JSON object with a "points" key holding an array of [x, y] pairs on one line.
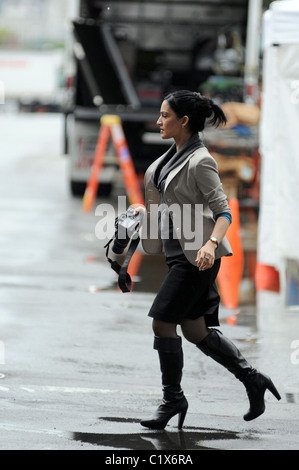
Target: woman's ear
{"points": [[185, 121]]}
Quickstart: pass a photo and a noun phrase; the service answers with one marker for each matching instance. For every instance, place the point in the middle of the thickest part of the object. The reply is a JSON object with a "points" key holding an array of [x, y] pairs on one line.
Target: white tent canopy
{"points": [[279, 136]]}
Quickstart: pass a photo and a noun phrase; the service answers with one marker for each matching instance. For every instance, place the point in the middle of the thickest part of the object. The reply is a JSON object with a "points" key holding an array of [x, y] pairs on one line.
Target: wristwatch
{"points": [[214, 240]]}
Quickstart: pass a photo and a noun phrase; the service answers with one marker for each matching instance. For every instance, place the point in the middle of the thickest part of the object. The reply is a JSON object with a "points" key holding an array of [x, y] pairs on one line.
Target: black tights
{"points": [[193, 330]]}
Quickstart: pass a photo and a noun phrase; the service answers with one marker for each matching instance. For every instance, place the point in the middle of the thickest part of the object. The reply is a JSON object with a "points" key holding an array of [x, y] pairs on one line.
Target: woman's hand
{"points": [[206, 256], [139, 210]]}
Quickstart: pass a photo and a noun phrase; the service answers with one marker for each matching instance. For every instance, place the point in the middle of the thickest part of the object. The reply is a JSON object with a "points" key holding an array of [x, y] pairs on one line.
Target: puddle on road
{"points": [[190, 438]]}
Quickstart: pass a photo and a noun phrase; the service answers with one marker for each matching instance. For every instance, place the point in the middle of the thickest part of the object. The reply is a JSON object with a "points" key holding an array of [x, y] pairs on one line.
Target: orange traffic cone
{"points": [[231, 270], [267, 278]]}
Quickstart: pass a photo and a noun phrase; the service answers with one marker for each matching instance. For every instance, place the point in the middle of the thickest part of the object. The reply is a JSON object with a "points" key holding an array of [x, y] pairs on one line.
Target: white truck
{"points": [[31, 77]]}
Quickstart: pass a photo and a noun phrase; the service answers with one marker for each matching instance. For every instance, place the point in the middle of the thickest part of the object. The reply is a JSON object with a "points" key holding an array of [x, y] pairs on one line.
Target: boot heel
{"points": [[182, 416], [271, 387]]}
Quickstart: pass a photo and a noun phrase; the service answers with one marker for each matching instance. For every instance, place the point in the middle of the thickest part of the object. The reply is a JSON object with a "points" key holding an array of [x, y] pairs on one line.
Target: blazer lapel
{"points": [[149, 171], [176, 170]]}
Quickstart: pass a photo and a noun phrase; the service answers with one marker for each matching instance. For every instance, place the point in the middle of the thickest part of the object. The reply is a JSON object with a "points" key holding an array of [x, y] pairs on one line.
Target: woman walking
{"points": [[186, 177]]}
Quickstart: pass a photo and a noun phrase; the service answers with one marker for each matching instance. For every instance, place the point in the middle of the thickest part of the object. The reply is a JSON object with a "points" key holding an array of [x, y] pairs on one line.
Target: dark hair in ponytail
{"points": [[197, 108]]}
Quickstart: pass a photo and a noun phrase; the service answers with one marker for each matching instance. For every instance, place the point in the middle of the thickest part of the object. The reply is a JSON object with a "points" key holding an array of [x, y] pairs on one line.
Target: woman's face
{"points": [[170, 125]]}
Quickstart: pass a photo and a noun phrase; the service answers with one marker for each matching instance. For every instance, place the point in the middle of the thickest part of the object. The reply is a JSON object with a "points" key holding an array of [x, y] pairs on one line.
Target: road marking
{"points": [[12, 427], [30, 390], [97, 390], [103, 391]]}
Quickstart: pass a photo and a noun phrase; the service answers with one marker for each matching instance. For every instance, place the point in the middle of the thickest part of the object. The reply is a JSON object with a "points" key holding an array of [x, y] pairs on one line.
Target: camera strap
{"points": [[124, 278]]}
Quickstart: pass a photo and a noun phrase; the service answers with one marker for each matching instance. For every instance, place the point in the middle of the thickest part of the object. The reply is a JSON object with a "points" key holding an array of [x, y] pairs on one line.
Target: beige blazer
{"points": [[194, 197]]}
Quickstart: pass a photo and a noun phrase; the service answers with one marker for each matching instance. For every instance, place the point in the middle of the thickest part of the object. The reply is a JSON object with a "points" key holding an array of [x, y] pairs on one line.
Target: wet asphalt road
{"points": [[77, 368]]}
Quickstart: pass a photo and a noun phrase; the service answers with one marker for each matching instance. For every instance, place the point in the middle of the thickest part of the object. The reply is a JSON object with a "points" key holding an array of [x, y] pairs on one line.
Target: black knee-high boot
{"points": [[174, 402], [223, 351]]}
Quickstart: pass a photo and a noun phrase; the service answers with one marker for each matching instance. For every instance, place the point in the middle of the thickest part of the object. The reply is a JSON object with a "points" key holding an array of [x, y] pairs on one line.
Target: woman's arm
{"points": [[210, 186], [206, 255]]}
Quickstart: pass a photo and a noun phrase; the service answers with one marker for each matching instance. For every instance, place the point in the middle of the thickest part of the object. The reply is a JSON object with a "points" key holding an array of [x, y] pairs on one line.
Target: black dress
{"points": [[187, 293]]}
